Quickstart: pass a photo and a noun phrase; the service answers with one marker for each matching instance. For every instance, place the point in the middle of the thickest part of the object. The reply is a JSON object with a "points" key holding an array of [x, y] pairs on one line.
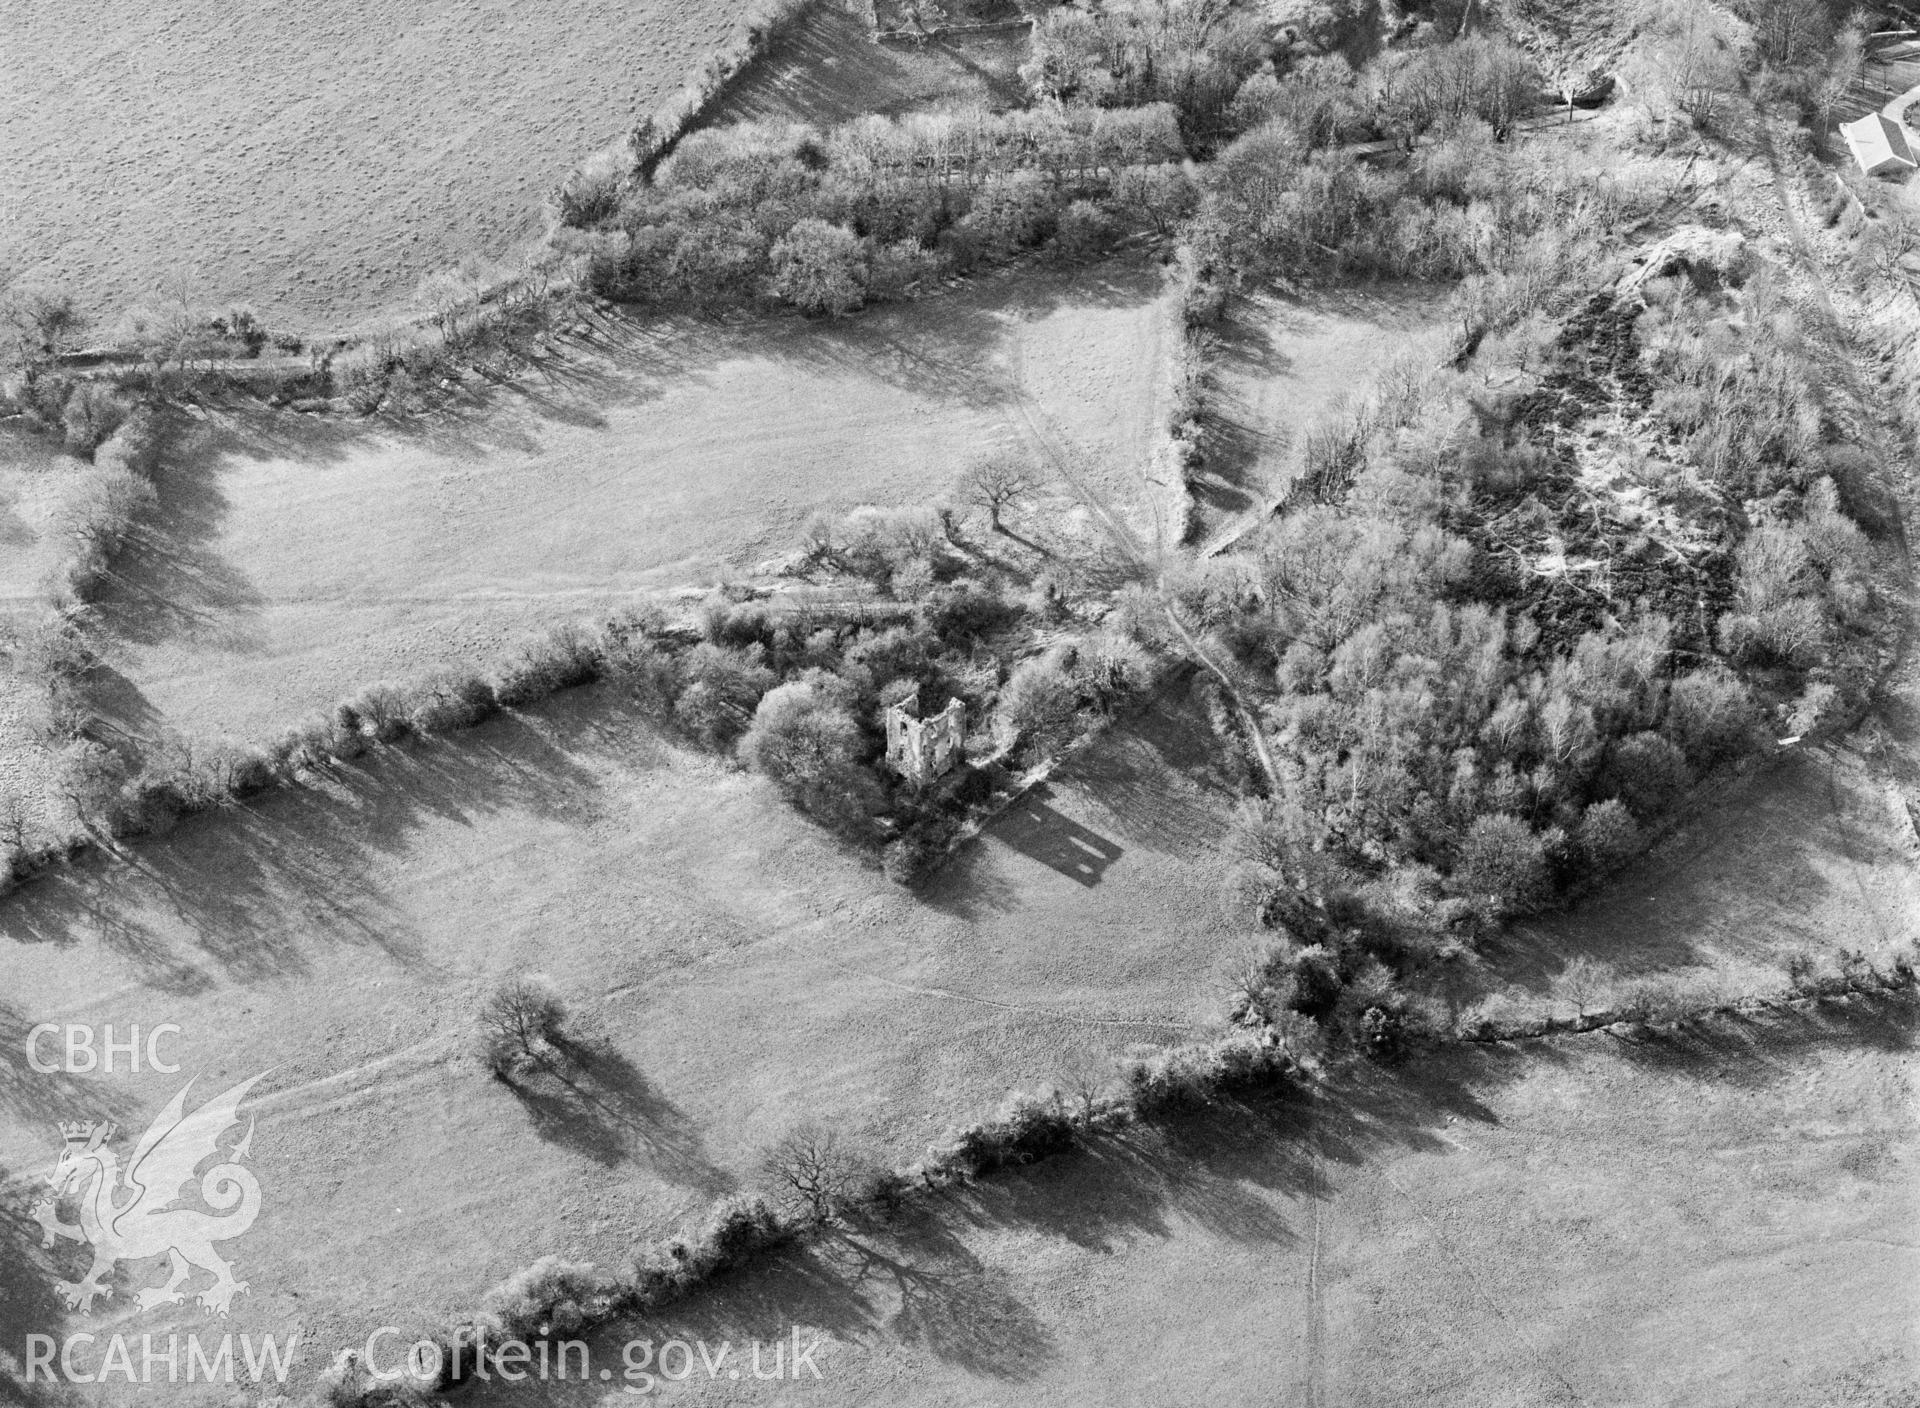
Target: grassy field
{"points": [[294, 559], [312, 163], [742, 972], [1716, 1216], [1279, 365], [1806, 858], [1707, 1222]]}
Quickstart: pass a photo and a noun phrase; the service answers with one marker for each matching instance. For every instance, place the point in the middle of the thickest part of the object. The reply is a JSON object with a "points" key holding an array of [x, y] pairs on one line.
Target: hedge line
{"points": [[359, 370], [593, 189], [125, 792], [1653, 1002], [153, 793], [555, 1299]]}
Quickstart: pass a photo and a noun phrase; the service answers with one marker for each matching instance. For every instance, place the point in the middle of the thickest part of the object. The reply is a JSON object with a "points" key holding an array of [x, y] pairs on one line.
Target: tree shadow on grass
{"points": [[120, 706], [1750, 870], [1127, 773], [909, 1281], [1230, 1169], [828, 70], [28, 1304], [971, 886], [941, 1295], [920, 1279], [168, 580], [1760, 1047], [588, 1097], [249, 890]]}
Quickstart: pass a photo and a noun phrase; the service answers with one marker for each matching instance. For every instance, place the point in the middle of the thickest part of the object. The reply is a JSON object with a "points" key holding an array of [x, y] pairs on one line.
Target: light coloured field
{"points": [[295, 559], [314, 161], [1283, 363], [1702, 1223], [1808, 858], [744, 972]]}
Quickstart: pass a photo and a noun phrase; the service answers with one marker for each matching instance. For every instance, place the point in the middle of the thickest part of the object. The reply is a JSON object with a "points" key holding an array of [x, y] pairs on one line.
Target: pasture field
{"points": [[1282, 364], [1707, 1222], [312, 161], [1709, 1216], [295, 559], [738, 969], [1808, 857]]}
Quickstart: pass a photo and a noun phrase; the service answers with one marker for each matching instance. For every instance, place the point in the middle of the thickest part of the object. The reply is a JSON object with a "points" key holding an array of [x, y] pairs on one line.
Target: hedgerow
{"points": [[827, 220], [797, 693]]}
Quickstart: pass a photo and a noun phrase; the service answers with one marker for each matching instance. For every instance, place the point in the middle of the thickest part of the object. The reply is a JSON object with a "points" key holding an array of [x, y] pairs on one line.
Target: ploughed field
{"points": [[311, 160]]}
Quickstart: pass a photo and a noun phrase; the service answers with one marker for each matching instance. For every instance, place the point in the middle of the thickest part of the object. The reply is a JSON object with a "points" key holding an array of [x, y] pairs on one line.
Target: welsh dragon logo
{"points": [[127, 1213]]}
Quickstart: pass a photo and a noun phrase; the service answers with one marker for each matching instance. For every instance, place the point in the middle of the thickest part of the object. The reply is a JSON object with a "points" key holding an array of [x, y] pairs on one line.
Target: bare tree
{"points": [[520, 1024], [1085, 1080], [41, 323], [1582, 983], [813, 1170], [16, 824], [448, 294], [1790, 32], [1691, 50], [90, 777], [995, 484], [1845, 63]]}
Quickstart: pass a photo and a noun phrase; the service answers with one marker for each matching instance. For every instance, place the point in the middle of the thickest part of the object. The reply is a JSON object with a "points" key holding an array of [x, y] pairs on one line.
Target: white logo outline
{"points": [[146, 1224]]}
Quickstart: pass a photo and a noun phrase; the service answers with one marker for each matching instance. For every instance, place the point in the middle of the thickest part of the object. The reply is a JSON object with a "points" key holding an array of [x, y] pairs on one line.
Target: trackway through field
{"points": [[732, 969], [296, 558]]}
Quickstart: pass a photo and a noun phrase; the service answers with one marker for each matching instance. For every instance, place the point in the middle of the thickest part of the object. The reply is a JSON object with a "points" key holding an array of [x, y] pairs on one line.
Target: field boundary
{"points": [[1800, 995], [553, 1299], [635, 152]]}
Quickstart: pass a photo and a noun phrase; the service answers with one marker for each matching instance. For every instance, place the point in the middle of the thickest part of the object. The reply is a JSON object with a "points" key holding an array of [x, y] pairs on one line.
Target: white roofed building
{"points": [[1879, 144]]}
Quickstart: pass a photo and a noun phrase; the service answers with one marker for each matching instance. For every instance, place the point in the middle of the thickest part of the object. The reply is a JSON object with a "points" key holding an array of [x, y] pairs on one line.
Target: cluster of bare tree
{"points": [[1192, 54], [867, 211], [1466, 204], [1698, 58], [1480, 673]]}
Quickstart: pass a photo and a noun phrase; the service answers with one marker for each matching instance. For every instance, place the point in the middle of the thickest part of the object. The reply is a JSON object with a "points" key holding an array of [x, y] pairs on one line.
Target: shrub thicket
{"points": [[1194, 57], [825, 221], [1451, 693]]}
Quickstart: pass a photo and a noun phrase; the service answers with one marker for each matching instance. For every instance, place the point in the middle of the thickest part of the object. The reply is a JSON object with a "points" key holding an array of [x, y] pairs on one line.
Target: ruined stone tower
{"points": [[922, 749]]}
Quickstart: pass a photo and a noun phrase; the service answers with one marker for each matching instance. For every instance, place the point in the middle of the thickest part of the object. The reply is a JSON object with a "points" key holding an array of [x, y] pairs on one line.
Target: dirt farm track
{"points": [[315, 159]]}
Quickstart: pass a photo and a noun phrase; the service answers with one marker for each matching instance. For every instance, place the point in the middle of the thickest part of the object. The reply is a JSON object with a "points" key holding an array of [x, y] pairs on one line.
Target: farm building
{"points": [[1879, 144]]}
